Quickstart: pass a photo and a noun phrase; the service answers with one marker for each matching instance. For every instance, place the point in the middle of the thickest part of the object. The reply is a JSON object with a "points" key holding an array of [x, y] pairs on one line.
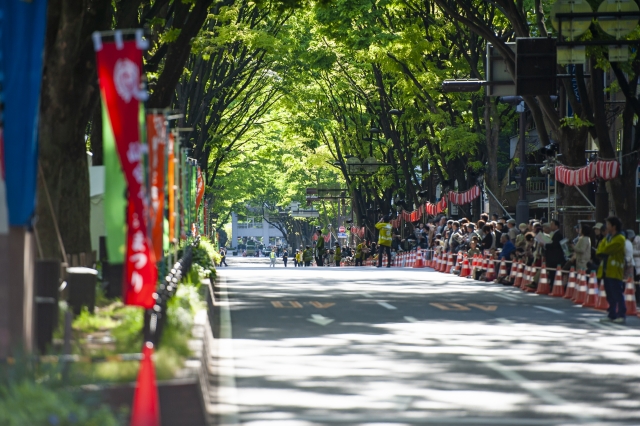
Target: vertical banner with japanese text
{"points": [[156, 135], [119, 66]]}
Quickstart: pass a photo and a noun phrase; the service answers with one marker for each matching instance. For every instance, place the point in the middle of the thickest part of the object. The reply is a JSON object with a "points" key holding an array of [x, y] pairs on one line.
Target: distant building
{"points": [[256, 228]]}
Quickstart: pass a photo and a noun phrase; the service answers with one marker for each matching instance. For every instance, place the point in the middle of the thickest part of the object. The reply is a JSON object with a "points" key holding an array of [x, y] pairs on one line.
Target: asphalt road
{"points": [[367, 346]]}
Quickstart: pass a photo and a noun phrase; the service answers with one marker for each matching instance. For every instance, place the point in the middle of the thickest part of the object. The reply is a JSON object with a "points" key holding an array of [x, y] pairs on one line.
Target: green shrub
{"points": [[35, 396]]}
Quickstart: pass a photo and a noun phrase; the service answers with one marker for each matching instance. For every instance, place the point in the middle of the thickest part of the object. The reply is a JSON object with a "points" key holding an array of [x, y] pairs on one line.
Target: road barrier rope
{"points": [[53, 359]]}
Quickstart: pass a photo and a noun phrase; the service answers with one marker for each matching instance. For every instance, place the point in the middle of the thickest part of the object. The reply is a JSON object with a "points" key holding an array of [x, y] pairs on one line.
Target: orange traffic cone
{"points": [[447, 270], [526, 278], [543, 284], [602, 303], [592, 293], [466, 270], [418, 262], [580, 295], [502, 273], [146, 406], [514, 272], [519, 275], [630, 298], [491, 270], [571, 284], [558, 286], [457, 268]]}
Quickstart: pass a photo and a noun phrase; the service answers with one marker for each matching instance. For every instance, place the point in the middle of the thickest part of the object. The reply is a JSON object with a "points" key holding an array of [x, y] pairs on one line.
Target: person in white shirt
{"points": [[629, 269], [635, 241]]}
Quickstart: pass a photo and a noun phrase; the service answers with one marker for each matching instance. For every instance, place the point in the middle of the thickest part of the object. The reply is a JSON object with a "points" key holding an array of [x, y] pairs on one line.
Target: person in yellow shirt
{"points": [[611, 254], [384, 240]]}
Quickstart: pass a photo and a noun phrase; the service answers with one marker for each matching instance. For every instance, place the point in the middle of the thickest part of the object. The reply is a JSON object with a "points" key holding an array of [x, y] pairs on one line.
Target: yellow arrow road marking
{"points": [[280, 305], [487, 308], [321, 305]]}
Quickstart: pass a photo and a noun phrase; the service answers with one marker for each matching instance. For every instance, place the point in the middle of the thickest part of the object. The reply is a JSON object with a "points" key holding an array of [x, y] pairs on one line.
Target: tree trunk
{"points": [[67, 100]]}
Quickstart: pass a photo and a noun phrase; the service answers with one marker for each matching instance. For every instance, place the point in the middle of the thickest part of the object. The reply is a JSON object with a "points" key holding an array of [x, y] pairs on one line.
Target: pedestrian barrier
{"points": [[581, 288]]}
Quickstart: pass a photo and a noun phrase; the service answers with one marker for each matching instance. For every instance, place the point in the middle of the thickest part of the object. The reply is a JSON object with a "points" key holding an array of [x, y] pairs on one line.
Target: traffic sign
{"points": [[342, 230]]}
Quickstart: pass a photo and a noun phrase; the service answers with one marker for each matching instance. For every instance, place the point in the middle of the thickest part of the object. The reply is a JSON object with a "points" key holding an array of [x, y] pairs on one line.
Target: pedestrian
{"points": [[611, 253], [320, 251], [272, 257], [307, 256], [223, 257], [384, 240], [520, 240], [629, 268], [554, 255], [507, 248], [582, 248], [295, 259], [359, 253], [285, 257], [488, 239], [636, 255], [512, 230], [337, 256]]}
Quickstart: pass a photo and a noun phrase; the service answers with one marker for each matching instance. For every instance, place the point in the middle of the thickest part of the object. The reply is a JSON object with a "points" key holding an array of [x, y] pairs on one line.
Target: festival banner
{"points": [[22, 33], [115, 200], [171, 188], [199, 190], [156, 135], [119, 66]]}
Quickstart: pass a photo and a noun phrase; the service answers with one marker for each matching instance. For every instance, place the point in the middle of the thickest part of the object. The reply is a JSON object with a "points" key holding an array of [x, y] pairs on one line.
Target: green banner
{"points": [[115, 201]]}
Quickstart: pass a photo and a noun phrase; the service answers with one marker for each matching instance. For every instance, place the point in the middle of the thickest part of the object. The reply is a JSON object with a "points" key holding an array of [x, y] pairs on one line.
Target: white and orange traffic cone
{"points": [[418, 262], [514, 271], [580, 295], [491, 270], [602, 304], [558, 286], [526, 279], [592, 293], [630, 298], [519, 274], [571, 284], [543, 284], [502, 272], [466, 270]]}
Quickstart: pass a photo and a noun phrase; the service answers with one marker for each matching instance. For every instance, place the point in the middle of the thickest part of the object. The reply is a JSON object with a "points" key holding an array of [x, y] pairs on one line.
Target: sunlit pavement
{"points": [[355, 346]]}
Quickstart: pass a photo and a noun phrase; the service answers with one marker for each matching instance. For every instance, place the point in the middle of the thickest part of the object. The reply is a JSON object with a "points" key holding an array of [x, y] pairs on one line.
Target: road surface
{"points": [[367, 346]]}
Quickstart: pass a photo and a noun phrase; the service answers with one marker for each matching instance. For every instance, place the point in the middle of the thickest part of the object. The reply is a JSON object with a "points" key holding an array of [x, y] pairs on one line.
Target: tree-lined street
{"points": [[319, 346]]}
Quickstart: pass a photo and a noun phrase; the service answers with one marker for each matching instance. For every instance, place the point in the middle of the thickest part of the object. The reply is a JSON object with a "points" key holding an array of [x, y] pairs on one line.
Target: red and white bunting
{"points": [[606, 170], [464, 197]]}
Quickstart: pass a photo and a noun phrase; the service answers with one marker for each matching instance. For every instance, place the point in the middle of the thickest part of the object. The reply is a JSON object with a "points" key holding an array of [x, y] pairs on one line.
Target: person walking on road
{"points": [[223, 257], [582, 249], [272, 256], [384, 240], [320, 251], [611, 254], [285, 257], [337, 256]]}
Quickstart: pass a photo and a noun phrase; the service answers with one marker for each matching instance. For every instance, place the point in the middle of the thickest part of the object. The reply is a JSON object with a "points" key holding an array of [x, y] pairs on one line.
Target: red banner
{"points": [[119, 68], [156, 135], [199, 189]]}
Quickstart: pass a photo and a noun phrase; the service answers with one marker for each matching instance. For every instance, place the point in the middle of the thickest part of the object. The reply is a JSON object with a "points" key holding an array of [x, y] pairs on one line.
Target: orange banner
{"points": [[200, 189], [171, 183], [156, 133]]}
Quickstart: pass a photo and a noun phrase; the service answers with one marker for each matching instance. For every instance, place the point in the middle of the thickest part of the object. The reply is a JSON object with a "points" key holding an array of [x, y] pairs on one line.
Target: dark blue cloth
{"points": [[507, 249], [615, 297], [21, 52]]}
